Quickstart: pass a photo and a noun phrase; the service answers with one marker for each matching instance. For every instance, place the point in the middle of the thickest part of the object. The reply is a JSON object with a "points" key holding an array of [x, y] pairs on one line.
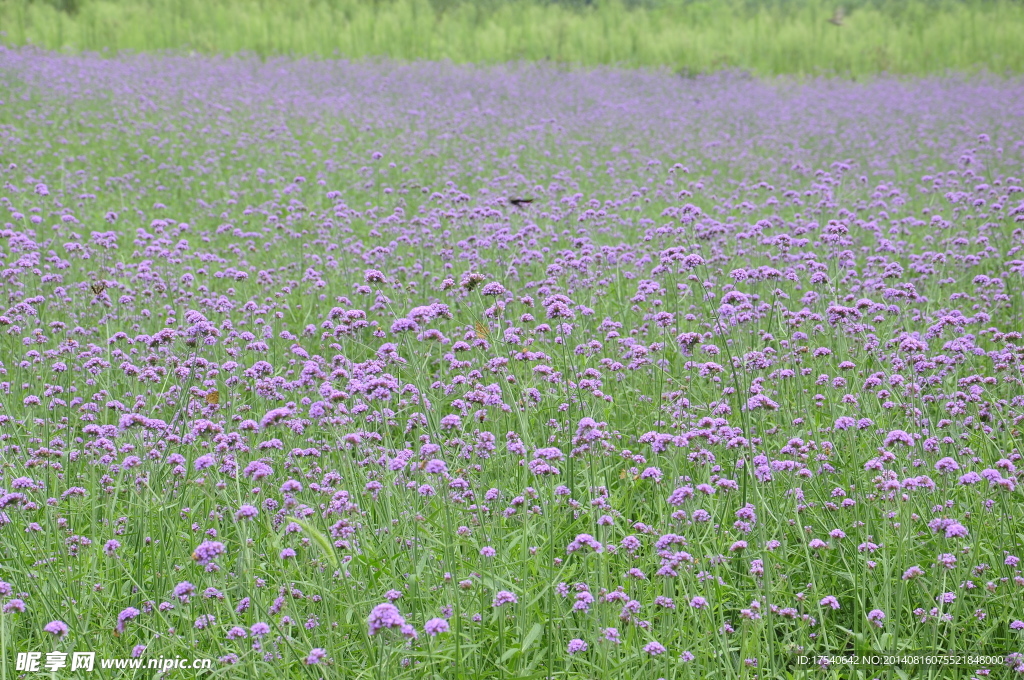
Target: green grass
{"points": [[913, 37]]}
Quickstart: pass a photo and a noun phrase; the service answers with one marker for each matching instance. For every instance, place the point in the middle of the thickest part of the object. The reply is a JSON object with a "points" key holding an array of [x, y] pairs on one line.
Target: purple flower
{"points": [[435, 627], [206, 551], [898, 436], [698, 602], [246, 512], [654, 648], [435, 466], [829, 601], [383, 616], [183, 590], [913, 572], [576, 646], [274, 416], [126, 615], [956, 530], [504, 597], [584, 540], [58, 628], [875, 616], [493, 288], [315, 655]]}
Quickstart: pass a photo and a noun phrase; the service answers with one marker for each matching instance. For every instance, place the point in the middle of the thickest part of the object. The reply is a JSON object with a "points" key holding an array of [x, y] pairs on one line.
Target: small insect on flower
{"points": [[213, 397], [98, 287], [520, 202], [482, 330]]}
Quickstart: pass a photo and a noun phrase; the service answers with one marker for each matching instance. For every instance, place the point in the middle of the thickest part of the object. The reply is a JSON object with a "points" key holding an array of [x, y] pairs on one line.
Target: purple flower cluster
{"points": [[276, 344]]}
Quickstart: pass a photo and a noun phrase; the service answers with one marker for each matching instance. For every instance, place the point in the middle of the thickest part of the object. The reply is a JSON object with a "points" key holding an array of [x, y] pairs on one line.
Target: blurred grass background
{"points": [[765, 37]]}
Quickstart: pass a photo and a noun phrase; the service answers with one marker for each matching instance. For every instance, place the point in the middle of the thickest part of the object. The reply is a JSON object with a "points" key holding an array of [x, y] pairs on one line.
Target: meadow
{"points": [[374, 369], [851, 38]]}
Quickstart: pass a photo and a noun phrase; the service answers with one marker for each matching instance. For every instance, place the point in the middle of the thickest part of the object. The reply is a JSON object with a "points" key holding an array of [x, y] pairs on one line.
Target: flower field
{"points": [[368, 370]]}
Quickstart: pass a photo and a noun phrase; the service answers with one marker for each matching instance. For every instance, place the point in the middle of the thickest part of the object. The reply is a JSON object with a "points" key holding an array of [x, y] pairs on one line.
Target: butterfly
{"points": [[520, 202], [213, 397], [837, 17], [482, 330], [98, 287]]}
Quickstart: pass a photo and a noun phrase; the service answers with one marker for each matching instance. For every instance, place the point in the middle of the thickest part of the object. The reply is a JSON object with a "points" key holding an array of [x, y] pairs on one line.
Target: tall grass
{"points": [[766, 38]]}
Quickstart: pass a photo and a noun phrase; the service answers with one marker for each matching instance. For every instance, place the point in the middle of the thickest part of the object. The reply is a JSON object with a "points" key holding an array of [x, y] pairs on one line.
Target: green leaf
{"points": [[321, 540], [532, 636]]}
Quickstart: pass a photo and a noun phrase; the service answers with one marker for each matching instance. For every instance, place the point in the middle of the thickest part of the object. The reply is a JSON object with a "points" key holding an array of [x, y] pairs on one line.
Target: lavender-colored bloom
{"points": [[126, 615], [246, 512], [384, 616], [183, 590], [205, 621], [58, 628], [206, 551], [274, 416], [435, 627], [654, 648], [956, 530], [504, 597], [576, 646], [584, 540], [315, 656], [435, 466], [913, 572]]}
